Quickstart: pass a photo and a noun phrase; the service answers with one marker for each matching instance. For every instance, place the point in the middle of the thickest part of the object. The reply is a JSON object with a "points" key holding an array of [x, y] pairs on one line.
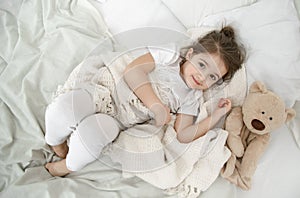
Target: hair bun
{"points": [[228, 31]]}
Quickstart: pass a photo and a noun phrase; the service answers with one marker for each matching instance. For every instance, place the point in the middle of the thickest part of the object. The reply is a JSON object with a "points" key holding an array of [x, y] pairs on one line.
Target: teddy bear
{"points": [[249, 128]]}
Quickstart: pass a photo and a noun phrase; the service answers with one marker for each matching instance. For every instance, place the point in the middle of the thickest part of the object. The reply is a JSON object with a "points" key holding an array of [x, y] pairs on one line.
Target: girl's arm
{"points": [[136, 76], [187, 131]]}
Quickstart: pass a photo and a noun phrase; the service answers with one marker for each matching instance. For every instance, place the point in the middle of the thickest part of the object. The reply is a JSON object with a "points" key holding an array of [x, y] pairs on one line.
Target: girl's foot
{"points": [[61, 150], [58, 168]]}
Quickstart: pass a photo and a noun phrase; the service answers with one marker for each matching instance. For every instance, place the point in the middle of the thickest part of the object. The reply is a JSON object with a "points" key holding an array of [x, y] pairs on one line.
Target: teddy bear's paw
{"points": [[245, 183], [234, 178], [239, 152], [229, 167], [226, 172]]}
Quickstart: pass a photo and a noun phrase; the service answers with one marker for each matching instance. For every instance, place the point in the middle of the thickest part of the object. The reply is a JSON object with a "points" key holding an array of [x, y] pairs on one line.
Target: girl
{"points": [[163, 81]]}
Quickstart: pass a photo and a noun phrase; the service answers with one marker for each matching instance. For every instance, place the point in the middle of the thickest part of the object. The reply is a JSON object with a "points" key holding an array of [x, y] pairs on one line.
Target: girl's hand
{"points": [[224, 106], [161, 114]]}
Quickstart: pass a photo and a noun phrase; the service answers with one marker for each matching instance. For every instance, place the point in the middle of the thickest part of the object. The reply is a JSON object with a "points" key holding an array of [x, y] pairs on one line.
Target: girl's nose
{"points": [[200, 77]]}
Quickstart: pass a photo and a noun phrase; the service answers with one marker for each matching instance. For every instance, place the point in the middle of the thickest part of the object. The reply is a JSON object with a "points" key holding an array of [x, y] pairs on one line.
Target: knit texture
{"points": [[155, 155]]}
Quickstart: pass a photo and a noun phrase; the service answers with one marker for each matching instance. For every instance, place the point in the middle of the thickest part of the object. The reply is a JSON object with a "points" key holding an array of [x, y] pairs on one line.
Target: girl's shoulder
{"points": [[165, 54]]}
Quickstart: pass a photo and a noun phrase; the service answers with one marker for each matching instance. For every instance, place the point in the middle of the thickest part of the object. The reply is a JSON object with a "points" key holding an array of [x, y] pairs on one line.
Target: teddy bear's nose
{"points": [[258, 125]]}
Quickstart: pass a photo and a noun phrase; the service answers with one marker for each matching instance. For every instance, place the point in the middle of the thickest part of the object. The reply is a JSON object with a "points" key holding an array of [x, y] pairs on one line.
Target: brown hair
{"points": [[224, 44]]}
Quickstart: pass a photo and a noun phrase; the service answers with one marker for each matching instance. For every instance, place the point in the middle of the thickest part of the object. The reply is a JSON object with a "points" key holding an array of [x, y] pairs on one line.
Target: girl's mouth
{"points": [[198, 83]]}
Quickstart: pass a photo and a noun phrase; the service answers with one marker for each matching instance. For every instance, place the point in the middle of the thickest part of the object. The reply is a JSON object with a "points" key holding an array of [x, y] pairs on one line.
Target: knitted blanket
{"points": [[154, 154]]}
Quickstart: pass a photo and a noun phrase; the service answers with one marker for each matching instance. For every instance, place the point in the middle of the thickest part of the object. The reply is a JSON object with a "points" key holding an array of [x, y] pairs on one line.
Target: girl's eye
{"points": [[213, 77], [201, 65]]}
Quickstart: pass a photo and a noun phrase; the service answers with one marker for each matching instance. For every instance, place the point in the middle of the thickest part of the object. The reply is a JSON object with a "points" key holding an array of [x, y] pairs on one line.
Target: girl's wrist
{"points": [[218, 114]]}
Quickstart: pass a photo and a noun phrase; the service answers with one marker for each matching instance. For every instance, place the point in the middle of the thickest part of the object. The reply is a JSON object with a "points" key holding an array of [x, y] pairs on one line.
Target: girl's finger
{"points": [[222, 101]]}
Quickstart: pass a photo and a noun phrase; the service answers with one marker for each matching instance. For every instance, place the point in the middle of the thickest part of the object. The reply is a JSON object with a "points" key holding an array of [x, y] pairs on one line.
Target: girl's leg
{"points": [[62, 116], [86, 143]]}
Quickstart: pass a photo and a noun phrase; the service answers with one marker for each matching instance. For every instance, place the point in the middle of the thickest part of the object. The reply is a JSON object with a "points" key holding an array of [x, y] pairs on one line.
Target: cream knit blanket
{"points": [[154, 154]]}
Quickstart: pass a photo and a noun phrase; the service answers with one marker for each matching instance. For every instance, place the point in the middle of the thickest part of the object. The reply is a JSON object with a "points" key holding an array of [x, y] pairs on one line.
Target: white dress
{"points": [[167, 80]]}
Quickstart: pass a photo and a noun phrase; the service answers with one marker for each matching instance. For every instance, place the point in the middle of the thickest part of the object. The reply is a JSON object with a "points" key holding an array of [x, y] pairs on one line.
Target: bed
{"points": [[42, 41]]}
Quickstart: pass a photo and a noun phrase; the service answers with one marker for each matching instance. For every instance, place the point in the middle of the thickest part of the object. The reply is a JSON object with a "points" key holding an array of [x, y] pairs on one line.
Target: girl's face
{"points": [[201, 71]]}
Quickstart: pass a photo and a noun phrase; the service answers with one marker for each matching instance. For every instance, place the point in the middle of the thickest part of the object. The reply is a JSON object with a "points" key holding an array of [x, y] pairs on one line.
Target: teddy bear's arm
{"points": [[234, 124], [252, 154]]}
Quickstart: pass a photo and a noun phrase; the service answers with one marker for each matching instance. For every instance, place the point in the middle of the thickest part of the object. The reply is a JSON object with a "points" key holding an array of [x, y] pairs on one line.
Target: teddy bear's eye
{"points": [[263, 112], [270, 118]]}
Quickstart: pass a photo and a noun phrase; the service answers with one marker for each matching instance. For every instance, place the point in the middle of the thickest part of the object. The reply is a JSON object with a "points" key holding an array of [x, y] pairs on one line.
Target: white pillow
{"points": [[192, 12], [121, 15], [270, 30]]}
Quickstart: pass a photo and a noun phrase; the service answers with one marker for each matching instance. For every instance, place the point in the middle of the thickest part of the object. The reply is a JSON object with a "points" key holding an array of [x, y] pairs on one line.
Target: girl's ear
{"points": [[189, 54]]}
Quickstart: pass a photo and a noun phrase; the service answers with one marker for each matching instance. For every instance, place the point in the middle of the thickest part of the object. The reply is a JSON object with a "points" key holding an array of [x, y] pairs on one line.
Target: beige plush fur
{"points": [[249, 128]]}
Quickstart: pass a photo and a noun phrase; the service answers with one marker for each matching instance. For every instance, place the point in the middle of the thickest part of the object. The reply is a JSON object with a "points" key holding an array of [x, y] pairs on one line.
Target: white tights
{"points": [[72, 115]]}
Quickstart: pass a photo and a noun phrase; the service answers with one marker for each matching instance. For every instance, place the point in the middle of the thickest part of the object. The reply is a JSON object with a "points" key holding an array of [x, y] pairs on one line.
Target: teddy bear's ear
{"points": [[290, 114], [258, 86]]}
